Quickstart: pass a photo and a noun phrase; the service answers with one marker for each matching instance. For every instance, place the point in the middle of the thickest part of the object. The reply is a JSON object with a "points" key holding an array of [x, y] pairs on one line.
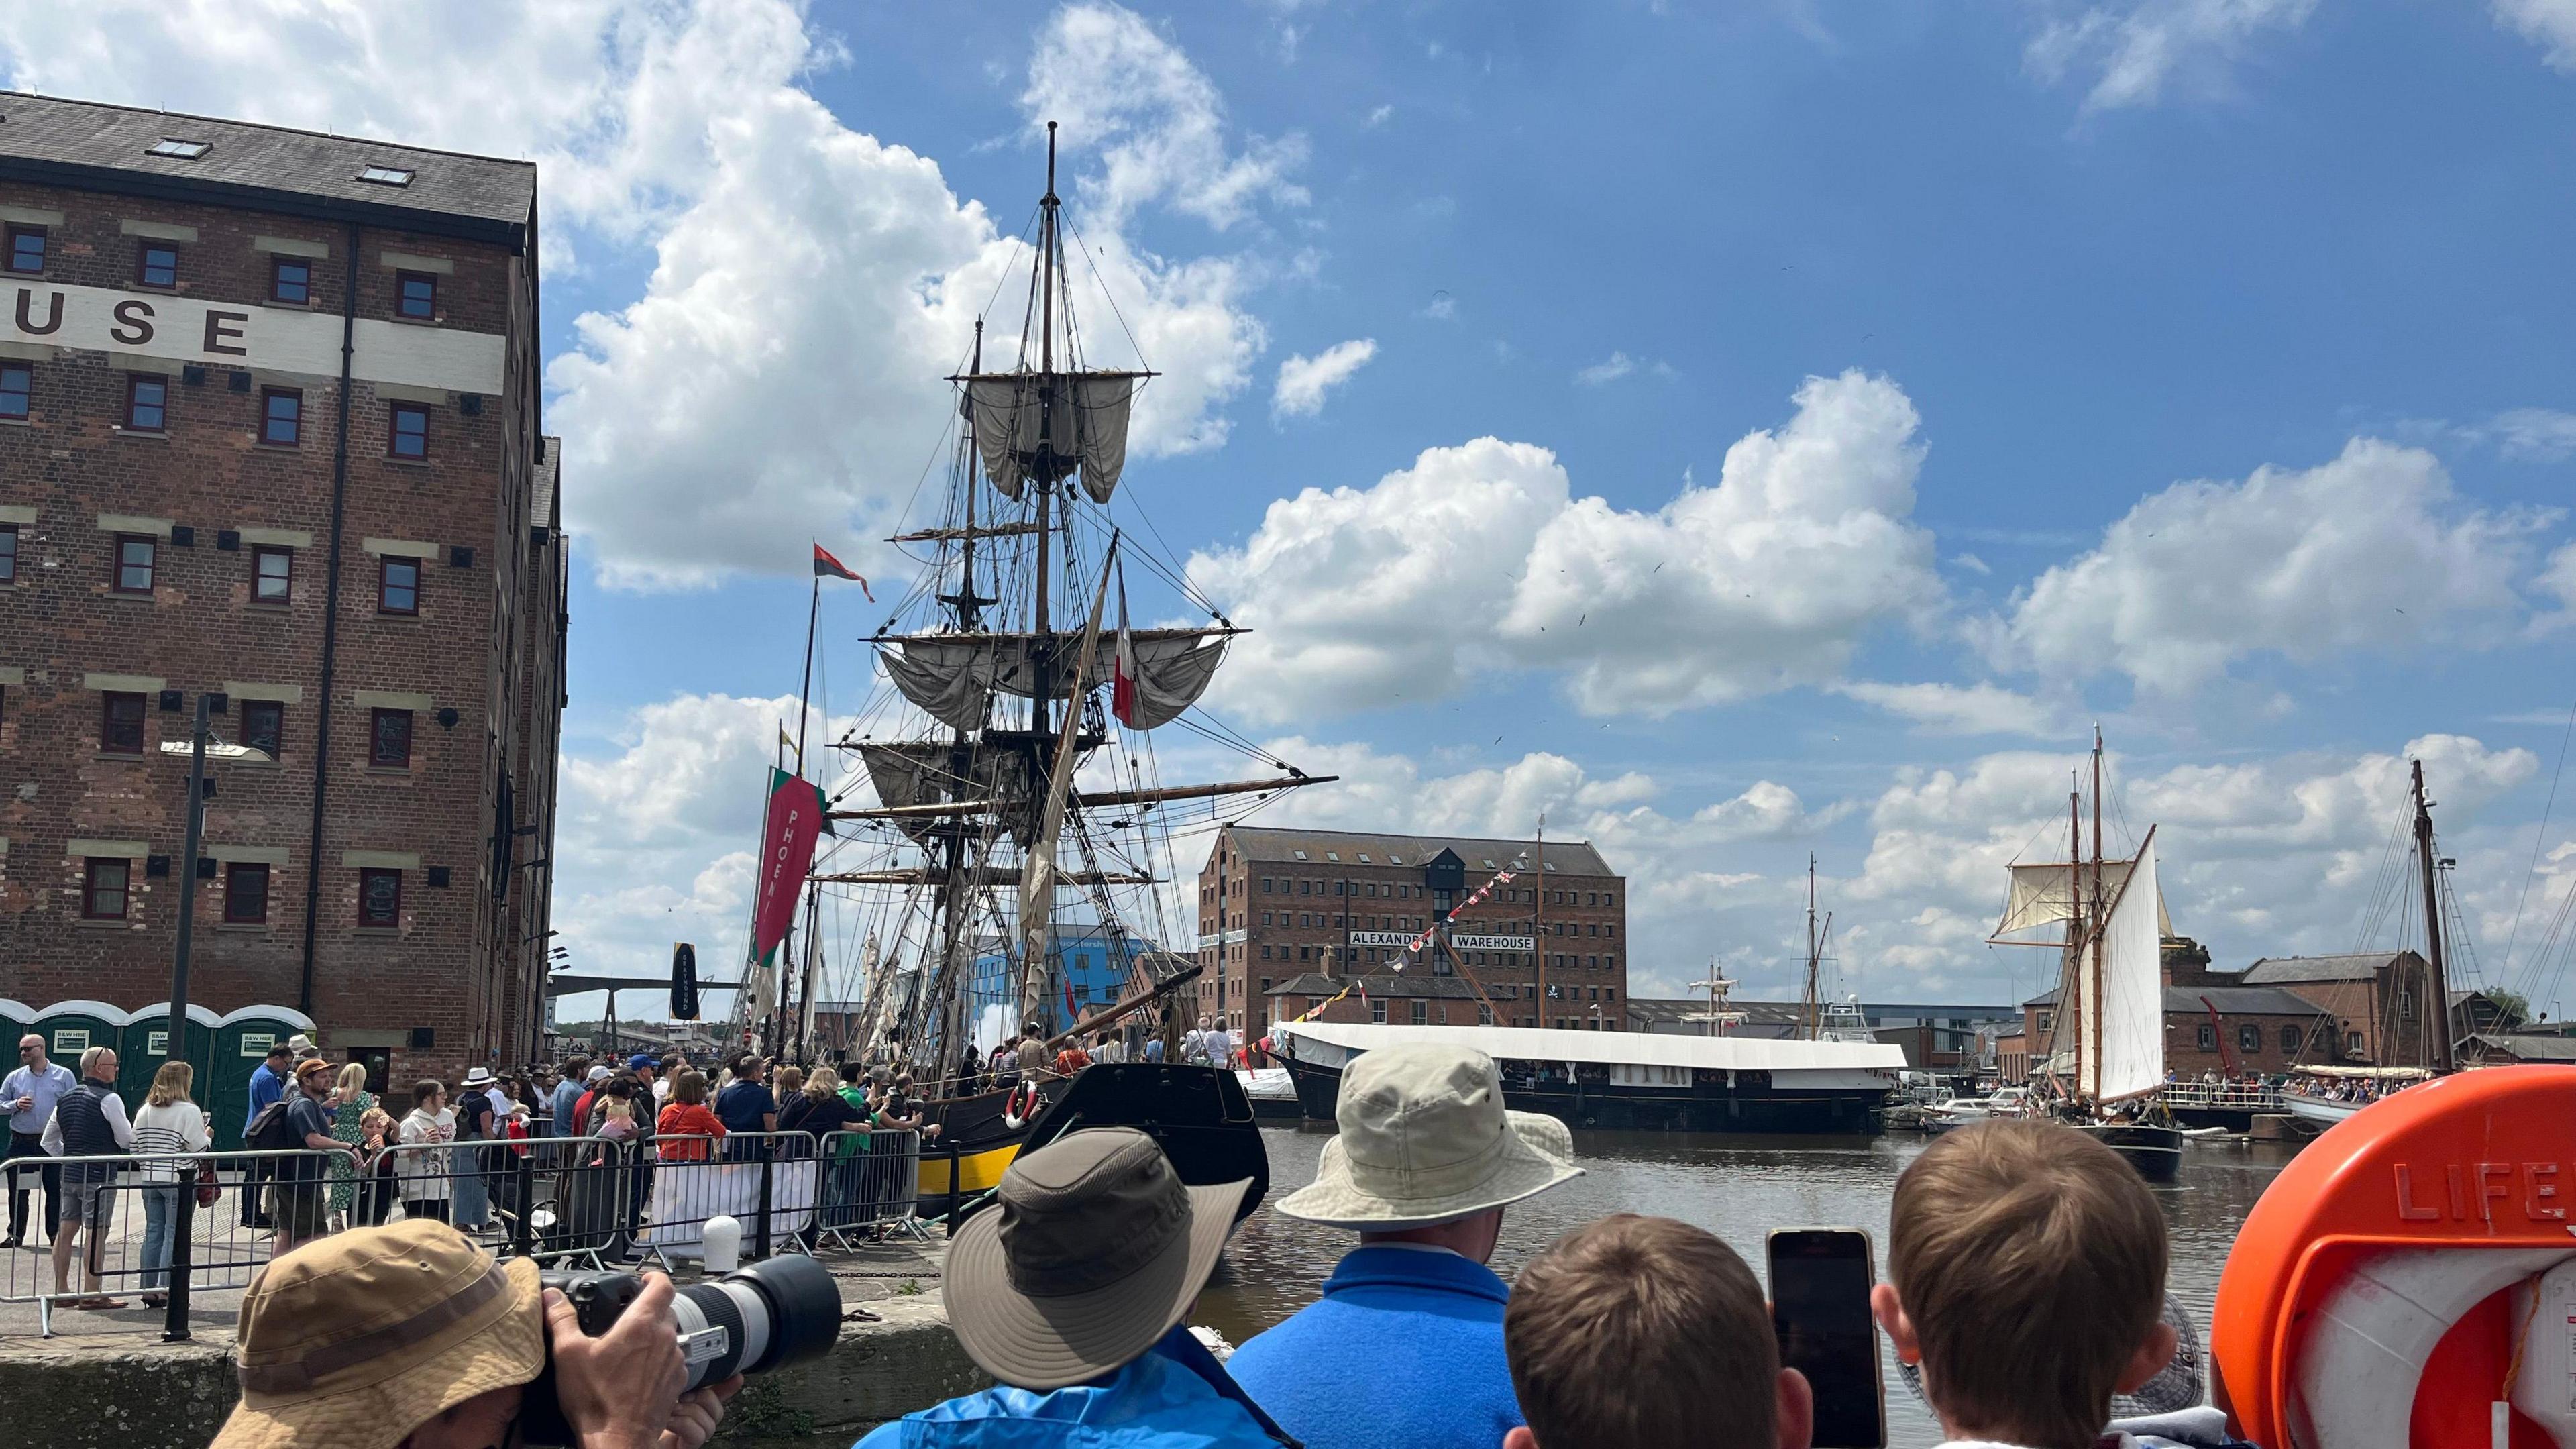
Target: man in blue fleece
{"points": [[1406, 1345], [1071, 1292]]}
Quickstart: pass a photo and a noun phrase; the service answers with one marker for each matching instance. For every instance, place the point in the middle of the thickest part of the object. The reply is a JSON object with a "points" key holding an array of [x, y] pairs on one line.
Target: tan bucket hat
{"points": [[1425, 1139], [1096, 1250], [355, 1340]]}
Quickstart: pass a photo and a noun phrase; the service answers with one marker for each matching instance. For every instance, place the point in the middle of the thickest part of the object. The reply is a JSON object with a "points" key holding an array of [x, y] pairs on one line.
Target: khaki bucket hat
{"points": [[1425, 1139], [354, 1341], [1096, 1250]]}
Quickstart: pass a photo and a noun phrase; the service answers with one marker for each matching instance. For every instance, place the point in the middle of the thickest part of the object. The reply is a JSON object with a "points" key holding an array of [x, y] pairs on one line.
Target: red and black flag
{"points": [[828, 567]]}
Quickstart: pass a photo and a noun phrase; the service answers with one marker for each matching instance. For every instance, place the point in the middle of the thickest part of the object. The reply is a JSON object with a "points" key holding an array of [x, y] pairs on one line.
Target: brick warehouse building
{"points": [[269, 431], [1289, 917]]}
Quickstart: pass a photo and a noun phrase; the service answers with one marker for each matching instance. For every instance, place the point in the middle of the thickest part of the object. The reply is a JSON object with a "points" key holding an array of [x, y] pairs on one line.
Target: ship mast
{"points": [[2093, 1017], [1810, 1020], [2438, 984]]}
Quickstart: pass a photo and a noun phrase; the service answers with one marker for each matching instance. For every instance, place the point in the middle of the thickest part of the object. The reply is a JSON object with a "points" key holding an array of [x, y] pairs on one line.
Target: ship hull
{"points": [[2156, 1152], [1745, 1105]]}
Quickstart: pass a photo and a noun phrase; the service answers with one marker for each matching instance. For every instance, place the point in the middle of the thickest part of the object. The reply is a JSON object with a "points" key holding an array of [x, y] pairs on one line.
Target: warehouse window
{"points": [[134, 561], [26, 249], [272, 574], [1421, 1011], [2249, 1038], [147, 402], [156, 265], [281, 417], [290, 279], [409, 435], [263, 726], [8, 553], [380, 899], [2289, 1041], [245, 893], [178, 149], [398, 586], [17, 390], [1377, 1010], [103, 887], [386, 176], [416, 295], [389, 739], [2208, 1037], [120, 724]]}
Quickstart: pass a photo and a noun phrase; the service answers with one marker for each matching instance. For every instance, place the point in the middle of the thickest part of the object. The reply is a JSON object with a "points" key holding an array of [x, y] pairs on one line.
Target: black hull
{"points": [[2156, 1152], [1200, 1116], [2234, 1119], [1742, 1108]]}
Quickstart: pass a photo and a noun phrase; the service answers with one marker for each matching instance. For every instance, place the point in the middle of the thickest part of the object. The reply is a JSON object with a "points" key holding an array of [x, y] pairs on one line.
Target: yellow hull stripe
{"points": [[976, 1171]]}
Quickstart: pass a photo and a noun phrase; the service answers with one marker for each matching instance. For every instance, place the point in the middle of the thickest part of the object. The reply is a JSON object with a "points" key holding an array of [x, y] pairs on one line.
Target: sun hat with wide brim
{"points": [[1095, 1251], [1425, 1139], [354, 1341]]}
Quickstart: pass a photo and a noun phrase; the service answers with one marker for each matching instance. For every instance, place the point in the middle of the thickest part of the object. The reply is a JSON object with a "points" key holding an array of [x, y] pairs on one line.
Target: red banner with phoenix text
{"points": [[787, 837]]}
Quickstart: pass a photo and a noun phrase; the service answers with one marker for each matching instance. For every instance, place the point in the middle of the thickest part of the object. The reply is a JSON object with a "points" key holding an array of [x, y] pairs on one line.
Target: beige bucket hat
{"points": [[353, 1341], [1425, 1139], [1096, 1249]]}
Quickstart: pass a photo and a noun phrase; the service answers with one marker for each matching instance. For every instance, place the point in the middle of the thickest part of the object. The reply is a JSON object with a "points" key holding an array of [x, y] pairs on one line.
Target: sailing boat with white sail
{"points": [[2104, 1059]]}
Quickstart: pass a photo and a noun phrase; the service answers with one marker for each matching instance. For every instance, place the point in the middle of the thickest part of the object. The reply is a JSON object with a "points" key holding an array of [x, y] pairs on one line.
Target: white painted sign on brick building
{"points": [[235, 334]]}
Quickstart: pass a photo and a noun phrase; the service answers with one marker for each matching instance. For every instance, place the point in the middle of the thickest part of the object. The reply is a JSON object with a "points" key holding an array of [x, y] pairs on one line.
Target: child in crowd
{"points": [[425, 1184], [2026, 1267], [616, 1120], [1638, 1333]]}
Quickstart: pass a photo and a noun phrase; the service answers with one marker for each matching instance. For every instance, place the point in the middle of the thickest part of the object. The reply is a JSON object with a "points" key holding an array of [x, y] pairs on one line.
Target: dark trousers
{"points": [[31, 1144]]}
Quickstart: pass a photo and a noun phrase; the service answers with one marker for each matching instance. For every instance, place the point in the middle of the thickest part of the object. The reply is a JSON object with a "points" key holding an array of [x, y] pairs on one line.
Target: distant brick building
{"points": [[1278, 905], [269, 432]]}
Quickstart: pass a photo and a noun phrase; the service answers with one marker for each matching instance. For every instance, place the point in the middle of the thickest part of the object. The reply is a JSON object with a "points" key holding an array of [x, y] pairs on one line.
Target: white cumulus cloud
{"points": [[2550, 24], [2369, 551], [1479, 557], [2128, 54], [1303, 380]]}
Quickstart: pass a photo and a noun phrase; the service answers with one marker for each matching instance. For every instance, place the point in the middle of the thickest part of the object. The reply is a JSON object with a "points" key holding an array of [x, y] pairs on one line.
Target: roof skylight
{"points": [[386, 176], [179, 149]]}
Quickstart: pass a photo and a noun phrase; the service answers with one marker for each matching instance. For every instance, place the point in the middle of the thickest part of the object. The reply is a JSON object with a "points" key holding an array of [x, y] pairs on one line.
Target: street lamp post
{"points": [[174, 1325]]}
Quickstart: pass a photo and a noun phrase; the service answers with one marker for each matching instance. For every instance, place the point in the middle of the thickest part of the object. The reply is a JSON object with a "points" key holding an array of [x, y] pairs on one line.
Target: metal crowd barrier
{"points": [[2222, 1096], [579, 1200]]}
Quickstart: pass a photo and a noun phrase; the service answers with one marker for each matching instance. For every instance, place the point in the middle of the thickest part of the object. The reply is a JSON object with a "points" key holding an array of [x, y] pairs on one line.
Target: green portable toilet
{"points": [[72, 1027], [146, 1045], [241, 1042], [15, 1017]]}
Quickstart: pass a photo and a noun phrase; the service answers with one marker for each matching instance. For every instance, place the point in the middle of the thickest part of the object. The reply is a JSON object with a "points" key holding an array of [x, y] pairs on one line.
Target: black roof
{"points": [[2230, 1000], [2284, 970], [1409, 852], [89, 145]]}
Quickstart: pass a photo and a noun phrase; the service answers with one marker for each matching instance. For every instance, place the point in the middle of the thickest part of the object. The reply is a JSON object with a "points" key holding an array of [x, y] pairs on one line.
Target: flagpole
{"points": [[805, 692]]}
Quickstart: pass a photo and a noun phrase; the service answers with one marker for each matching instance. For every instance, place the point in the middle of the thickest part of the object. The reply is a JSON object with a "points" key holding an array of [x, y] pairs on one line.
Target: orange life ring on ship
{"points": [[1020, 1106], [2378, 1293]]}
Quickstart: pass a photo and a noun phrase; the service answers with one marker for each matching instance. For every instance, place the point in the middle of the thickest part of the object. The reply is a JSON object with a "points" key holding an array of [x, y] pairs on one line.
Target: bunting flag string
{"points": [[1404, 954]]}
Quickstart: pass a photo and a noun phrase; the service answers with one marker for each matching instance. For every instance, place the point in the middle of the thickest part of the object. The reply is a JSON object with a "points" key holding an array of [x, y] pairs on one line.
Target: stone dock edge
{"points": [[126, 1394]]}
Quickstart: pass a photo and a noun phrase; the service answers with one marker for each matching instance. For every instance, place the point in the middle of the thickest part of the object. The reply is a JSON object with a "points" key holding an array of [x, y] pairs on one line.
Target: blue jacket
{"points": [[1155, 1402], [1404, 1348], [265, 1087]]}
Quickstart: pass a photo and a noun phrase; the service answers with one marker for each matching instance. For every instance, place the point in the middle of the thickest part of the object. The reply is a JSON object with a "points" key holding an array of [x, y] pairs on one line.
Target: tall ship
{"points": [[2103, 1059], [998, 792], [1831, 1077]]}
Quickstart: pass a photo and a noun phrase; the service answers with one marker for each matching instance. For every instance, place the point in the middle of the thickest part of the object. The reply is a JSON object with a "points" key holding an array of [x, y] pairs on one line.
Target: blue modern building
{"points": [[1093, 964]]}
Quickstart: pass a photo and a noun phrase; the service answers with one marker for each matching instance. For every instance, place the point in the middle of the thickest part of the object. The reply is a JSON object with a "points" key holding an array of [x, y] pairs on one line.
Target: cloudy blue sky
{"points": [[1736, 431]]}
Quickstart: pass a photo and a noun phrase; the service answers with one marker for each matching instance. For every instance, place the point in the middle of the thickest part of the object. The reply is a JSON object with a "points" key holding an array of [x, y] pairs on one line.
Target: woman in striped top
{"points": [[168, 1126]]}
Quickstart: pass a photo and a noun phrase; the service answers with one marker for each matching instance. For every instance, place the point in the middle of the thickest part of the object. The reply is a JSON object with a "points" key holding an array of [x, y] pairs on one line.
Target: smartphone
{"points": [[1820, 1280]]}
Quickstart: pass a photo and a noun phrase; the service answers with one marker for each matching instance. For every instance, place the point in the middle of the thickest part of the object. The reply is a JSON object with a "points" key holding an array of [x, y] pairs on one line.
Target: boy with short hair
{"points": [[2026, 1267], [1641, 1333]]}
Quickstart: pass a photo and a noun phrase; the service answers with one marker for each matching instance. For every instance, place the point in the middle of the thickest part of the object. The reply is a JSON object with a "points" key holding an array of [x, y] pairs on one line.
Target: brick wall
{"points": [[74, 477]]}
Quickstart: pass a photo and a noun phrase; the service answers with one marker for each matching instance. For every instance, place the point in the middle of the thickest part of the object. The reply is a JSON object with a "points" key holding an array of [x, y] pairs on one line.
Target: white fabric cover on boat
{"points": [[916, 772]]}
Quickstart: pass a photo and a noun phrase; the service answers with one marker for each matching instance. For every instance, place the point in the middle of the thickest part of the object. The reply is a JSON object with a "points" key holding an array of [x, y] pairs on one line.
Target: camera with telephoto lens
{"points": [[775, 1312]]}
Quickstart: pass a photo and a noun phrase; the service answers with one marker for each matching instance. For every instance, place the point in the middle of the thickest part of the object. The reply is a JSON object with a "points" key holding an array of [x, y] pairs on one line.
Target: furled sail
{"points": [[2124, 1009], [917, 772], [954, 676], [2043, 895], [1044, 425]]}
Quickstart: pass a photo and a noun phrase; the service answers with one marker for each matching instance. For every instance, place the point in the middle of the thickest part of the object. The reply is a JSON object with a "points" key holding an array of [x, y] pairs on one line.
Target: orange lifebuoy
{"points": [[2370, 1299], [1020, 1106]]}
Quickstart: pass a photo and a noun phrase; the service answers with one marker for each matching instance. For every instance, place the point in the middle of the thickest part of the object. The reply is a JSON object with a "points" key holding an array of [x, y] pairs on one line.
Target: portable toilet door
{"points": [[72, 1027], [147, 1045], [241, 1042], [17, 1017]]}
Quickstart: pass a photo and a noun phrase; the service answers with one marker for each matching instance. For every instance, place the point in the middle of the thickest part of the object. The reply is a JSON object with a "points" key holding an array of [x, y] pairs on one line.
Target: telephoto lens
{"points": [[779, 1311]]}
